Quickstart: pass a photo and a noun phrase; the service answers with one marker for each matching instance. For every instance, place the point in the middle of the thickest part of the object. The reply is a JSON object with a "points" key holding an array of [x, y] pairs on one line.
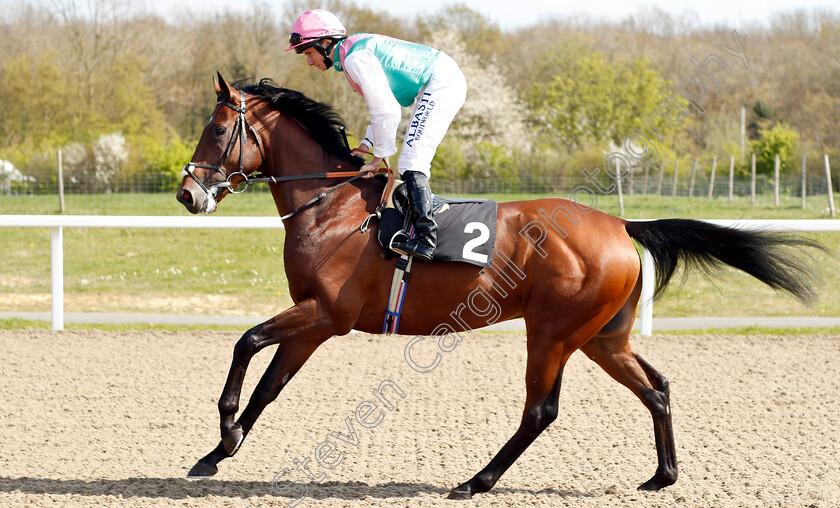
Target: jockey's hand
{"points": [[373, 165], [361, 151]]}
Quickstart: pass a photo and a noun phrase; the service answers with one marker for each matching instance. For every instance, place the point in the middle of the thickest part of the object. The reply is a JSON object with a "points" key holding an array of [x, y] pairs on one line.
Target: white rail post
{"points": [[57, 262], [648, 281]]}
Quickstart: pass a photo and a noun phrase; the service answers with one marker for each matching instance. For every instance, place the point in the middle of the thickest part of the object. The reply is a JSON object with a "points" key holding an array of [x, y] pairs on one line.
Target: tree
{"points": [[578, 97], [781, 140], [481, 36]]}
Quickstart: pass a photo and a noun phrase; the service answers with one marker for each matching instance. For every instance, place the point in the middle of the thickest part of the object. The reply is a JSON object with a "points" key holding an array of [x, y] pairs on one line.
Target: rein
{"points": [[354, 175], [240, 128], [319, 197]]}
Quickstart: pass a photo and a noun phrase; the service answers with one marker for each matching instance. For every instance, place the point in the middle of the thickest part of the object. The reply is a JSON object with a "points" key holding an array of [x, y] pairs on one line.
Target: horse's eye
{"points": [[220, 130]]}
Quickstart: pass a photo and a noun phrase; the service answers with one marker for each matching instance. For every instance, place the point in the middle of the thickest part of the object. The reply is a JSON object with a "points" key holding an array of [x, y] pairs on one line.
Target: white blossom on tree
{"points": [[9, 174], [109, 157], [492, 113], [96, 165]]}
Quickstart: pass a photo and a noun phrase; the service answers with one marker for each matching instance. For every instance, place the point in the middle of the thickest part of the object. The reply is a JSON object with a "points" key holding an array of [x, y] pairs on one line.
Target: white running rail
{"points": [[56, 223]]}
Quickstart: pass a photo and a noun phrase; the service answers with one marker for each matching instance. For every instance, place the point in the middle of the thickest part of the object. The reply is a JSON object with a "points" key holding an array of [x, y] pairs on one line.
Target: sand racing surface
{"points": [[101, 418]]}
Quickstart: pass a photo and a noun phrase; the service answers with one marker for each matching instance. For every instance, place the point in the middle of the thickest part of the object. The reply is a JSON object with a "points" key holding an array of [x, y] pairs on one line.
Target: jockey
{"points": [[390, 74]]}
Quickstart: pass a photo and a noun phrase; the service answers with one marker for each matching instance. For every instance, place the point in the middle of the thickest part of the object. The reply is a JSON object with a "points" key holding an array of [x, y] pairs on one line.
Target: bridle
{"points": [[240, 129]]}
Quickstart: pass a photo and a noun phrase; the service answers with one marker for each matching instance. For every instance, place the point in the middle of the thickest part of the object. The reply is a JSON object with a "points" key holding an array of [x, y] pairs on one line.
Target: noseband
{"points": [[238, 128]]}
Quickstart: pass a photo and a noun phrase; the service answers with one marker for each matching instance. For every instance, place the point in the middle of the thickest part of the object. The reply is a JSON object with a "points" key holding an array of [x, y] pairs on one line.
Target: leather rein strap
{"points": [[353, 176]]}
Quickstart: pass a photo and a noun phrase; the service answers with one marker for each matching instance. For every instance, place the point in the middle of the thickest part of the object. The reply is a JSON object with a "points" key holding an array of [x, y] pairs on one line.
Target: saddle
{"points": [[466, 227], [458, 222]]}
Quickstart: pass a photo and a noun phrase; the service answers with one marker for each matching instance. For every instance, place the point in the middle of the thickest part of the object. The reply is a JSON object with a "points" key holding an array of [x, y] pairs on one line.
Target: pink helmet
{"points": [[312, 26]]}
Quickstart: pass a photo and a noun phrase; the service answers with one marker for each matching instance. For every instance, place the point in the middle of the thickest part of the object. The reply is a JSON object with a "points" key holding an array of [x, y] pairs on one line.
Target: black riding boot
{"points": [[425, 228]]}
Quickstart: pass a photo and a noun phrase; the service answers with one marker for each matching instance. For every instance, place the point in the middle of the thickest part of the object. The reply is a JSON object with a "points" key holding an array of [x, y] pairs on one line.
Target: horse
{"points": [[572, 272]]}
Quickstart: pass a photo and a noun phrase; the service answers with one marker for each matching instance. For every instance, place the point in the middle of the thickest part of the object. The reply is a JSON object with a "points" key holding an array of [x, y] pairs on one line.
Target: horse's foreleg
{"points": [[615, 356], [298, 332], [543, 375], [288, 359]]}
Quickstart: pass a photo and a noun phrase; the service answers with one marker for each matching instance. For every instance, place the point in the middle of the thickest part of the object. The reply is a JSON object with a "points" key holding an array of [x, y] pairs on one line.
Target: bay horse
{"points": [[576, 281]]}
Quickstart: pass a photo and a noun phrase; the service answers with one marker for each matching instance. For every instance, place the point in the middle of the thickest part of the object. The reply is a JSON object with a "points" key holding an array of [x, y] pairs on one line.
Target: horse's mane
{"points": [[321, 120]]}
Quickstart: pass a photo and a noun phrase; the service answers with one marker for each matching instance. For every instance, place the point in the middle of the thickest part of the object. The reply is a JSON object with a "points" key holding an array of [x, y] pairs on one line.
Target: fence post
{"points": [[620, 197], [712, 178], [731, 177], [803, 181], [60, 183], [676, 173], [752, 181], [830, 189], [661, 174], [647, 171], [57, 276], [776, 180], [693, 175]]}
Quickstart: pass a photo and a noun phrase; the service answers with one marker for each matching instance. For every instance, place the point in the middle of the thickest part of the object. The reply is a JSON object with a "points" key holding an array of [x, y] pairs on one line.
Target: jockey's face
{"points": [[314, 58]]}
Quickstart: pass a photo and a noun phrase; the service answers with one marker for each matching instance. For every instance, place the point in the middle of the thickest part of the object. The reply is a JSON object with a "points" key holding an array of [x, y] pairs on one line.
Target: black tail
{"points": [[776, 259]]}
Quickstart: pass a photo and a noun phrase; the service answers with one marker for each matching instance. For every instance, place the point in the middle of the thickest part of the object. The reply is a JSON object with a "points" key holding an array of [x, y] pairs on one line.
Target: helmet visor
{"points": [[298, 43]]}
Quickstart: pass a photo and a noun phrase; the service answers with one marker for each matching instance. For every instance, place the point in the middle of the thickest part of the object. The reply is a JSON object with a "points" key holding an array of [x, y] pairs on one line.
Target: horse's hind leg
{"points": [[546, 359], [615, 356]]}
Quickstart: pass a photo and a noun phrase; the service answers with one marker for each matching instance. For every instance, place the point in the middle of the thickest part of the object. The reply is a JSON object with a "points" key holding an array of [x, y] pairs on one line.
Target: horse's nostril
{"points": [[185, 197]]}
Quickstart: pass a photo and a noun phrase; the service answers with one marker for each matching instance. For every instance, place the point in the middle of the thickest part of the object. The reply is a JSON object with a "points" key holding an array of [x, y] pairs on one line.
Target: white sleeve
{"points": [[385, 112]]}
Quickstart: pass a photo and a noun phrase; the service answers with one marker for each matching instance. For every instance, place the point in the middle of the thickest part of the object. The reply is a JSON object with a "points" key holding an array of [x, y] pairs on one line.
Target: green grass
{"points": [[246, 204], [653, 207], [240, 272], [756, 330], [26, 324]]}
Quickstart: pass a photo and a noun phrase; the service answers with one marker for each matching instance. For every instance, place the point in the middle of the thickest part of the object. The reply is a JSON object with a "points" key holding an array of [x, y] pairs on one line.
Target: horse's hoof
{"points": [[202, 470], [459, 494], [659, 482], [233, 440]]}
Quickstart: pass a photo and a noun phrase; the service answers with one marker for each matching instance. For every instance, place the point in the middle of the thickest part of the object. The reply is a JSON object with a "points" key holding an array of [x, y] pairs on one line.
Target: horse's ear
{"points": [[223, 90]]}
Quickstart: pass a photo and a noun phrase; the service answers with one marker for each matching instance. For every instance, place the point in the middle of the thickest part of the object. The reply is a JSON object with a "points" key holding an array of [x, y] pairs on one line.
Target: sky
{"points": [[513, 14]]}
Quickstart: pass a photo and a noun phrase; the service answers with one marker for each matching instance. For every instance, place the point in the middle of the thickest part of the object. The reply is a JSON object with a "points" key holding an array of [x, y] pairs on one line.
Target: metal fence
{"points": [[140, 183], [638, 183]]}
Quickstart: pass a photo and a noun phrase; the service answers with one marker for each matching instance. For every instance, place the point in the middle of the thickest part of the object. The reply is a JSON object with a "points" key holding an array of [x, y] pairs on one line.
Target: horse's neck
{"points": [[294, 152]]}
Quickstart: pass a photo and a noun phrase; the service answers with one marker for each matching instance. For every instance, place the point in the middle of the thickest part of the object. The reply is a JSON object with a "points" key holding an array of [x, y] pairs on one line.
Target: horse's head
{"points": [[228, 151]]}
